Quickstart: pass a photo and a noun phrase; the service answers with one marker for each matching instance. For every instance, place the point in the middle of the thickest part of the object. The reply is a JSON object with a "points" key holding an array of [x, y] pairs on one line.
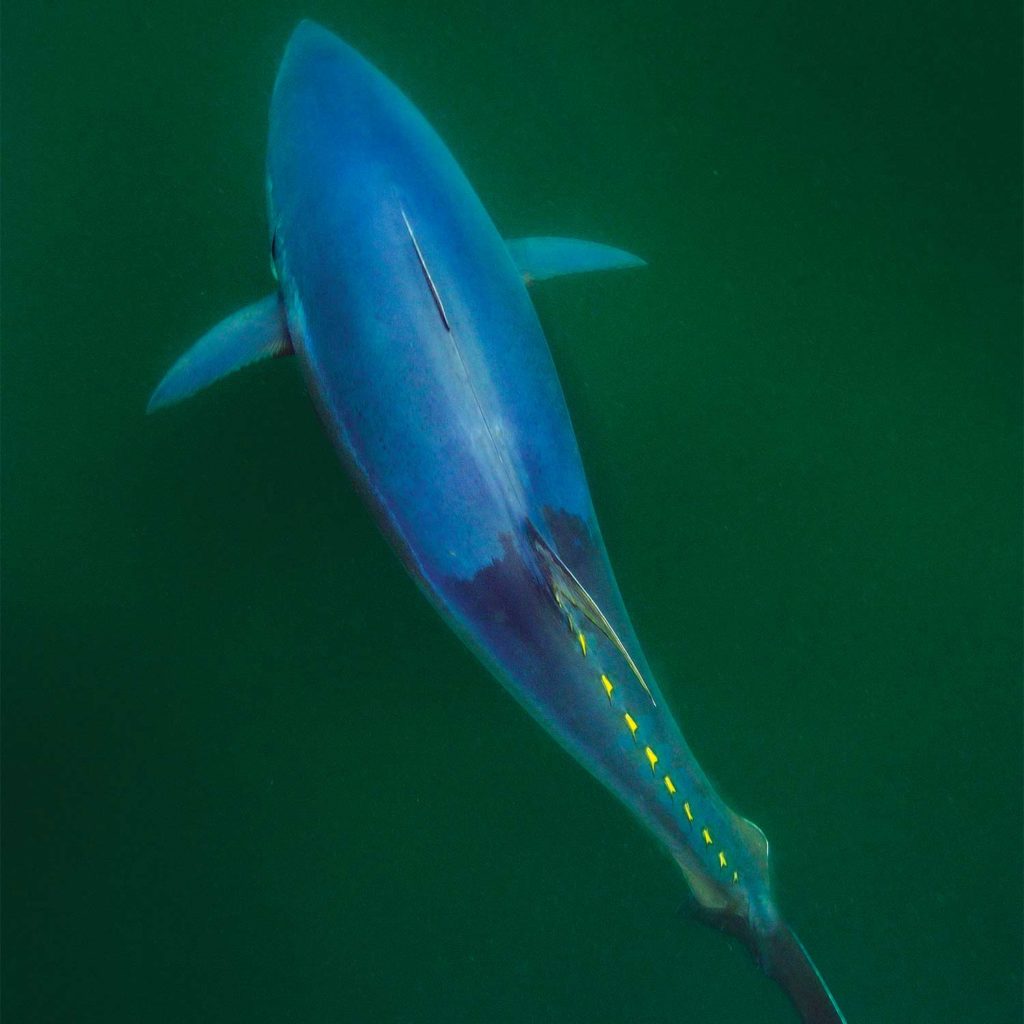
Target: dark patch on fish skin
{"points": [[513, 592], [507, 613], [572, 537], [578, 543], [575, 543], [507, 600]]}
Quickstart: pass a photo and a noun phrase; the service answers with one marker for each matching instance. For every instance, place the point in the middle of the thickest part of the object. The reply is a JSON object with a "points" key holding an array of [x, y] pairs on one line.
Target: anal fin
{"points": [[709, 900]]}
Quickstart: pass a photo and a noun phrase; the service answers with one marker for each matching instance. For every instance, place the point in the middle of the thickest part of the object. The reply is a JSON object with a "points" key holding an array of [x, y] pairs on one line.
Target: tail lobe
{"points": [[784, 959]]}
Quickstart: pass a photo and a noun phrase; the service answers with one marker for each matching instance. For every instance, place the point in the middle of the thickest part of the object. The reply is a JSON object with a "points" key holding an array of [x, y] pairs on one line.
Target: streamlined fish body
{"points": [[410, 317]]}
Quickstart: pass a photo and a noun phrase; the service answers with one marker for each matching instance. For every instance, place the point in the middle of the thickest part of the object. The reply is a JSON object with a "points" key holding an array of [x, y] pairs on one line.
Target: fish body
{"points": [[411, 319], [442, 398]]}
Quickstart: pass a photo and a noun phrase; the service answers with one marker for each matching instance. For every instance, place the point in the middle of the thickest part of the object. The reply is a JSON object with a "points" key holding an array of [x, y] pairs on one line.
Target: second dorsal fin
{"points": [[754, 840], [567, 590]]}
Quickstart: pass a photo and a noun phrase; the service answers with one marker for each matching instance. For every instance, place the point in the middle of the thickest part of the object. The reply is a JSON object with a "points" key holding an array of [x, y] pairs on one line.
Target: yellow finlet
{"points": [[670, 786], [735, 876], [689, 813], [607, 684], [707, 837], [651, 756], [583, 643], [722, 862], [631, 723]]}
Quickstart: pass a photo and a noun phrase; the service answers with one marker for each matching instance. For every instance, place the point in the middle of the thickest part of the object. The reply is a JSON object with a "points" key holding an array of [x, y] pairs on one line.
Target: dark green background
{"points": [[248, 776]]}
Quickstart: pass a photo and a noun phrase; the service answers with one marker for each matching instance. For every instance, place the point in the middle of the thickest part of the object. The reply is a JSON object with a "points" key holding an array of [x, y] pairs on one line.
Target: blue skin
{"points": [[459, 438], [421, 347]]}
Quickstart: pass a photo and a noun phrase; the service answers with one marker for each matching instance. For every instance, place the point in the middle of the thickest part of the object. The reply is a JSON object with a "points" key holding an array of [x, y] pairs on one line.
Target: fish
{"points": [[411, 319]]}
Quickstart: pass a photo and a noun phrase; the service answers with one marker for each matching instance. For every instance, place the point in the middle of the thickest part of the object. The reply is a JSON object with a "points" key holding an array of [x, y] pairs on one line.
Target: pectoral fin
{"points": [[253, 333], [541, 258]]}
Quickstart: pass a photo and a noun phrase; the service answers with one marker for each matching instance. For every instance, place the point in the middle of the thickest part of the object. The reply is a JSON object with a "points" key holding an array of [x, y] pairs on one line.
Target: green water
{"points": [[802, 429]]}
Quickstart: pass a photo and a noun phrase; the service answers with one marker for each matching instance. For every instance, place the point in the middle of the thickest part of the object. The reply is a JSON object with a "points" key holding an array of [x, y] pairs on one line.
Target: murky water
{"points": [[248, 775]]}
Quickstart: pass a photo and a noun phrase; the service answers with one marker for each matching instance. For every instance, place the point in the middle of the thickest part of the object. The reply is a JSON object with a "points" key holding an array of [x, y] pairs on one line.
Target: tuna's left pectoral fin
{"points": [[254, 333], [541, 258]]}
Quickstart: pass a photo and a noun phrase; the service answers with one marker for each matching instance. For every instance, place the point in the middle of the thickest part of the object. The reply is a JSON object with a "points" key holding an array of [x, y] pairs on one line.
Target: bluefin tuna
{"points": [[410, 317]]}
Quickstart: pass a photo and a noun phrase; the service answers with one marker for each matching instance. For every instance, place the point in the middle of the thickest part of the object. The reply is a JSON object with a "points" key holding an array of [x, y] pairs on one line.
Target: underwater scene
{"points": [[347, 350]]}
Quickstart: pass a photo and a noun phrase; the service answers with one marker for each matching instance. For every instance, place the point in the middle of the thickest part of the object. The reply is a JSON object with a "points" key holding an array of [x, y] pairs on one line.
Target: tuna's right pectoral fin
{"points": [[253, 333]]}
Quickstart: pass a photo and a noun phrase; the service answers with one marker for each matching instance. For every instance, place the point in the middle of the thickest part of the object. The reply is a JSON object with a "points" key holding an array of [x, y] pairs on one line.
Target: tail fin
{"points": [[785, 960]]}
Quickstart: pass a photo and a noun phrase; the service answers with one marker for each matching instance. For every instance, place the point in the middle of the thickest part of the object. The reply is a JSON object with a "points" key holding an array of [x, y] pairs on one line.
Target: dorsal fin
{"points": [[426, 273], [568, 590]]}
